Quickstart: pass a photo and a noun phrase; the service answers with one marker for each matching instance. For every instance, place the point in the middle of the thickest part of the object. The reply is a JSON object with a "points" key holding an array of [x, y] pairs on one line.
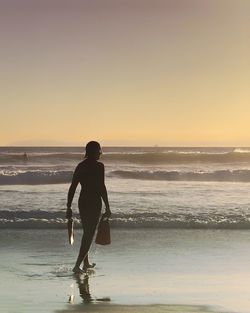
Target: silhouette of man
{"points": [[90, 174]]}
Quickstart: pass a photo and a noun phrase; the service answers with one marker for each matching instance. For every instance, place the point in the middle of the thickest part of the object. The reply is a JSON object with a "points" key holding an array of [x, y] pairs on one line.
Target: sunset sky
{"points": [[125, 72]]}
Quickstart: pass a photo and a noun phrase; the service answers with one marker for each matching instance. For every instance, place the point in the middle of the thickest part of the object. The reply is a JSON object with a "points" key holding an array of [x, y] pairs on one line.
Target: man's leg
{"points": [[89, 227]]}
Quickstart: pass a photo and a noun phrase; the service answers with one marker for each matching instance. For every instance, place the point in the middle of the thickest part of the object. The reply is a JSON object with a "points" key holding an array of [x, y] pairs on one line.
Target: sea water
{"points": [[148, 187], [200, 268]]}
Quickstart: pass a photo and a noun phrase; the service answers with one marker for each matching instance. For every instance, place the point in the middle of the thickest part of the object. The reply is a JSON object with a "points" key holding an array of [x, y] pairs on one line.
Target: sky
{"points": [[125, 72]]}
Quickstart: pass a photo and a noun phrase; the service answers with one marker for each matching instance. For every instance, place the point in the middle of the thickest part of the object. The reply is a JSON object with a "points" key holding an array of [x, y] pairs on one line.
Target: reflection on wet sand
{"points": [[83, 285], [84, 291]]}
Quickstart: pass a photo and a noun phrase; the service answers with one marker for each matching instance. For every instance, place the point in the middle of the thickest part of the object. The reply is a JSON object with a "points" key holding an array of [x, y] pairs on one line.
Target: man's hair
{"points": [[92, 148]]}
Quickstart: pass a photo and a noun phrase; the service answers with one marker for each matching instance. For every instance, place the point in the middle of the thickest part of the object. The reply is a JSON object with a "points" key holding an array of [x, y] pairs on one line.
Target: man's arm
{"points": [[71, 192], [104, 193]]}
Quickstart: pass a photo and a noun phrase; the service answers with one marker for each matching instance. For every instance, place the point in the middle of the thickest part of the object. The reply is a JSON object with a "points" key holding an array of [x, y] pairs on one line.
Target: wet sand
{"points": [[141, 271]]}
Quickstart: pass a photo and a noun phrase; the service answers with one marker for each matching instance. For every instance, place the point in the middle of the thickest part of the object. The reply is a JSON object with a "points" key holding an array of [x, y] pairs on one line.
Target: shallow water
{"points": [[145, 266]]}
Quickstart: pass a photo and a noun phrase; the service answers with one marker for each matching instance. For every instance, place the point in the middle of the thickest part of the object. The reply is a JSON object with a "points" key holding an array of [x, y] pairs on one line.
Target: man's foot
{"points": [[89, 265], [78, 270]]}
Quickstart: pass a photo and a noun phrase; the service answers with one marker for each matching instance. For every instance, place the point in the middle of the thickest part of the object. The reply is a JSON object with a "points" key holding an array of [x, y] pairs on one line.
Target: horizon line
{"points": [[124, 146]]}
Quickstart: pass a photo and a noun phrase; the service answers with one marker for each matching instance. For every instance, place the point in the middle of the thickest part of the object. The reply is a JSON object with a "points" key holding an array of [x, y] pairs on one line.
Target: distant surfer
{"points": [[25, 157], [90, 174]]}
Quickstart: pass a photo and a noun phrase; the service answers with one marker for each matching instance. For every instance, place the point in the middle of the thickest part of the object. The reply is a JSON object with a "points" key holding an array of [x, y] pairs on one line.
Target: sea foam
{"points": [[42, 177], [45, 219], [139, 157]]}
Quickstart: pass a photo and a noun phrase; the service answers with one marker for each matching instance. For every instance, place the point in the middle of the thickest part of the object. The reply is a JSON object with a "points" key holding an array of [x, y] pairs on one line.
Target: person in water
{"points": [[25, 157], [90, 174]]}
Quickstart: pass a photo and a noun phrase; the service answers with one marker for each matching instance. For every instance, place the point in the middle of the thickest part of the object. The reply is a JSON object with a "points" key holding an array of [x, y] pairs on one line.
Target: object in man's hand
{"points": [[103, 232], [71, 230]]}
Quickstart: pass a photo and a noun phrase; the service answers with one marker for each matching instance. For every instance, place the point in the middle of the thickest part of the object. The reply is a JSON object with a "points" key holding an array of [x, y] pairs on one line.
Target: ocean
{"points": [[179, 229], [148, 186]]}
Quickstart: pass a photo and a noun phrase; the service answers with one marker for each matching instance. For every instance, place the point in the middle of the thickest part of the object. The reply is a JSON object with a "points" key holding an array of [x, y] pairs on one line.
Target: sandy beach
{"points": [[137, 309], [160, 271]]}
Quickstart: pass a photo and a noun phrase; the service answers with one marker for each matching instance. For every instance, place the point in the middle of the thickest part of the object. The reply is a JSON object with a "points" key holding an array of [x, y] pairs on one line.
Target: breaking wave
{"points": [[180, 157], [237, 155], [36, 177], [220, 175], [42, 177], [56, 220]]}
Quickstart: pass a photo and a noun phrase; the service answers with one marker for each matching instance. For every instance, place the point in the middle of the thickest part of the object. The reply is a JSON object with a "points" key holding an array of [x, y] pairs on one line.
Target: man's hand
{"points": [[107, 213], [69, 213]]}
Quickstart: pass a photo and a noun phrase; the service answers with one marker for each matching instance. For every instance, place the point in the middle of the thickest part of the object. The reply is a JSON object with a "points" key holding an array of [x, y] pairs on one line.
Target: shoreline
{"points": [[142, 271], [151, 308]]}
